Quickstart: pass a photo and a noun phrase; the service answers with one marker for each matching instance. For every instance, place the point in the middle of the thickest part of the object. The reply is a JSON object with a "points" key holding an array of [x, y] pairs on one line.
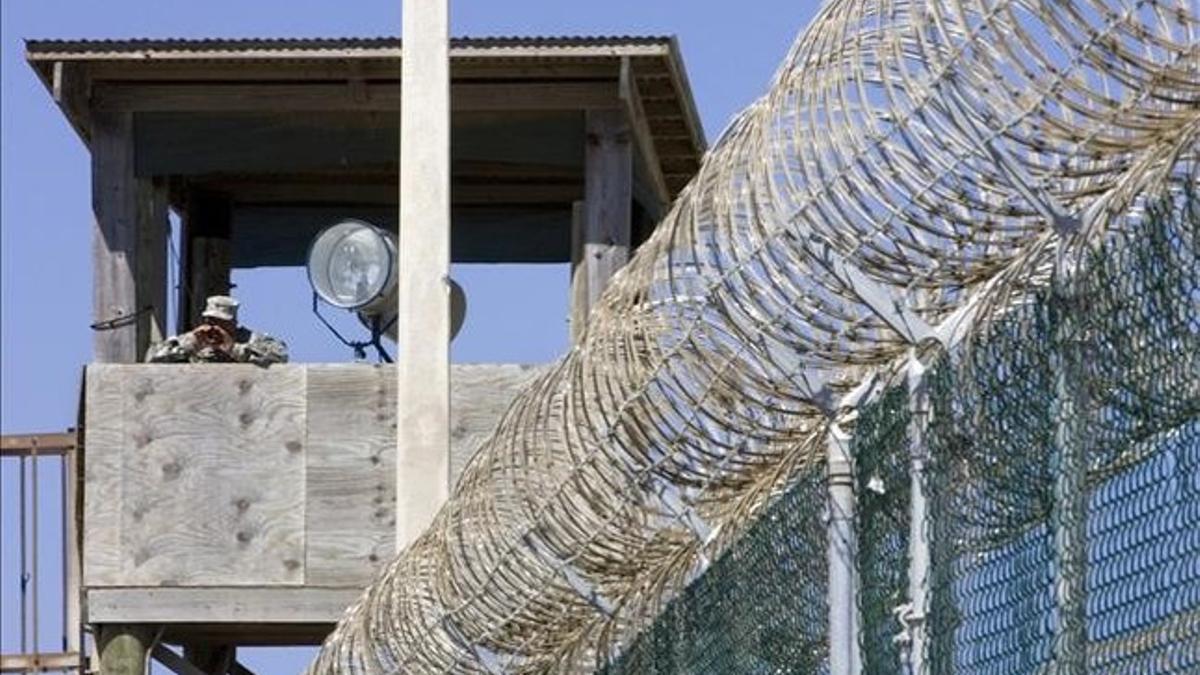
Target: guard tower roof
{"points": [[492, 73]]}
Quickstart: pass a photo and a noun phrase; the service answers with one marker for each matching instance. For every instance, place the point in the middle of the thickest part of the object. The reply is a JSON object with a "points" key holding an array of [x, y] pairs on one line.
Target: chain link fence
{"points": [[1058, 462], [761, 608]]}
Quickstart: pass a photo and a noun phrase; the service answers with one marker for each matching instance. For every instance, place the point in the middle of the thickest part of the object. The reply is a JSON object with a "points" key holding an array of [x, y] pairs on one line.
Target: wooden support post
{"points": [[423, 366], [207, 252], [608, 202], [128, 246], [579, 303], [154, 227], [123, 649]]}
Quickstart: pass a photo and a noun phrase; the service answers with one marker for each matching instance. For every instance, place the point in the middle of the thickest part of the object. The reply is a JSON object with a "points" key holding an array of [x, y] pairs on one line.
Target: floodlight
{"points": [[352, 265]]}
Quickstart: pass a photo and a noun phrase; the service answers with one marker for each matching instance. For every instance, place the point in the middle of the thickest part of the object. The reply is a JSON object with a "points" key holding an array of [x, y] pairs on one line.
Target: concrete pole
{"points": [[843, 555], [423, 330], [1069, 509], [918, 530]]}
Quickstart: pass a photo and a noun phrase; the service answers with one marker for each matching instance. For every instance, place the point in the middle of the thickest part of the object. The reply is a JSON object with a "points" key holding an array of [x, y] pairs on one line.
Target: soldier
{"points": [[219, 339]]}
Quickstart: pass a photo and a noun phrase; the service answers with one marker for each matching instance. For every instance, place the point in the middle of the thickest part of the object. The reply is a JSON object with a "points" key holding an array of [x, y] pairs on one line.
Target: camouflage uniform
{"points": [[249, 347]]}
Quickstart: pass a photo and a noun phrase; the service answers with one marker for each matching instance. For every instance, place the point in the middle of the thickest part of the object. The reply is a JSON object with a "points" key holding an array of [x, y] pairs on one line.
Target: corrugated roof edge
{"points": [[35, 46]]}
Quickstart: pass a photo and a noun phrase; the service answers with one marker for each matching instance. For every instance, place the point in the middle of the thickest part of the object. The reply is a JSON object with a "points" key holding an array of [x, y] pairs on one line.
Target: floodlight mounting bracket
{"points": [[378, 328]]}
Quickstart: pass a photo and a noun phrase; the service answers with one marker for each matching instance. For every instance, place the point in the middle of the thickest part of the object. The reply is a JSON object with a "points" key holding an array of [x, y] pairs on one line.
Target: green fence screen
{"points": [[1036, 565]]}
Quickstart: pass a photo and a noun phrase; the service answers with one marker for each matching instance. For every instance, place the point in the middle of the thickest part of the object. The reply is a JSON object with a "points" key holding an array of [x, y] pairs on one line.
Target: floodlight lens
{"points": [[351, 264]]}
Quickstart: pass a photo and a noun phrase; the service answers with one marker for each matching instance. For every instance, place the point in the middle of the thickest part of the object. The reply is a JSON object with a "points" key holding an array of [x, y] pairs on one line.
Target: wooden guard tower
{"points": [[226, 505]]}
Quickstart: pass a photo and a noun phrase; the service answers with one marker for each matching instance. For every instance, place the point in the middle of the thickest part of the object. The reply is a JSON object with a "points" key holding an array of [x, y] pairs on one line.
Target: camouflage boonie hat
{"points": [[221, 307]]}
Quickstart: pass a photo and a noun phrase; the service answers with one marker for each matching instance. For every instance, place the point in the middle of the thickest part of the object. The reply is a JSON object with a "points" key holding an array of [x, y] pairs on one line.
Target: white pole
{"points": [[423, 326], [842, 556], [1068, 512], [918, 530]]}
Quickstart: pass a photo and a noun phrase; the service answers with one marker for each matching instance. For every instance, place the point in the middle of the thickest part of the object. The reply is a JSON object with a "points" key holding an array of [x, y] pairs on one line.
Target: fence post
{"points": [[918, 532], [1069, 507], [843, 553]]}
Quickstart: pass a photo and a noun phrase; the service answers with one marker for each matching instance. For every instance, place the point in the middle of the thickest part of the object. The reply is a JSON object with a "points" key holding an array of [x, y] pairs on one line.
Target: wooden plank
{"points": [[173, 450], [608, 199], [480, 394], [210, 264], [351, 457], [114, 240], [632, 101], [46, 445], [376, 69], [212, 468], [351, 477], [71, 89], [128, 246], [41, 662], [423, 334], [153, 228], [667, 127], [203, 143], [277, 235], [343, 141], [103, 487], [72, 554], [207, 231], [378, 97], [579, 294], [683, 94], [220, 605], [338, 190]]}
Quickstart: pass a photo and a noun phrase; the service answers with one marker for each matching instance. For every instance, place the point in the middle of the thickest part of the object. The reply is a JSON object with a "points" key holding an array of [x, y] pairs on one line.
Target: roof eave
{"points": [[192, 50]]}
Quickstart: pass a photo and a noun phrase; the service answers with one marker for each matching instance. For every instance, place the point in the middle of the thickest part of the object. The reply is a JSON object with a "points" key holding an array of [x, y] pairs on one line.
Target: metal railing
{"points": [[32, 453]]}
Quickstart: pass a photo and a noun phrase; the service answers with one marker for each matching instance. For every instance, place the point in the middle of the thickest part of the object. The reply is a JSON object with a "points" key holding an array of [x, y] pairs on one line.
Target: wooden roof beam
{"points": [[642, 135], [465, 97], [370, 69]]}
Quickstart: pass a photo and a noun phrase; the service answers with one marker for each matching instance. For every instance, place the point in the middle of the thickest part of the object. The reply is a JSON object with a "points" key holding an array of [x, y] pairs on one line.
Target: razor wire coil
{"points": [[912, 161]]}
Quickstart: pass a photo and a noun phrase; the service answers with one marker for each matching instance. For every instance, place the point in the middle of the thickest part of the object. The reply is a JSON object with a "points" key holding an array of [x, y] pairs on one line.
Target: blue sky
{"points": [[515, 314]]}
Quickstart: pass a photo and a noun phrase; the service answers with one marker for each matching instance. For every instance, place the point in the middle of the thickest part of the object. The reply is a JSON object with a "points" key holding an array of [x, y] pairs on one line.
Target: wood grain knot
{"points": [[171, 470], [145, 388], [294, 446], [244, 537], [246, 419], [291, 565], [244, 387], [242, 505]]}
